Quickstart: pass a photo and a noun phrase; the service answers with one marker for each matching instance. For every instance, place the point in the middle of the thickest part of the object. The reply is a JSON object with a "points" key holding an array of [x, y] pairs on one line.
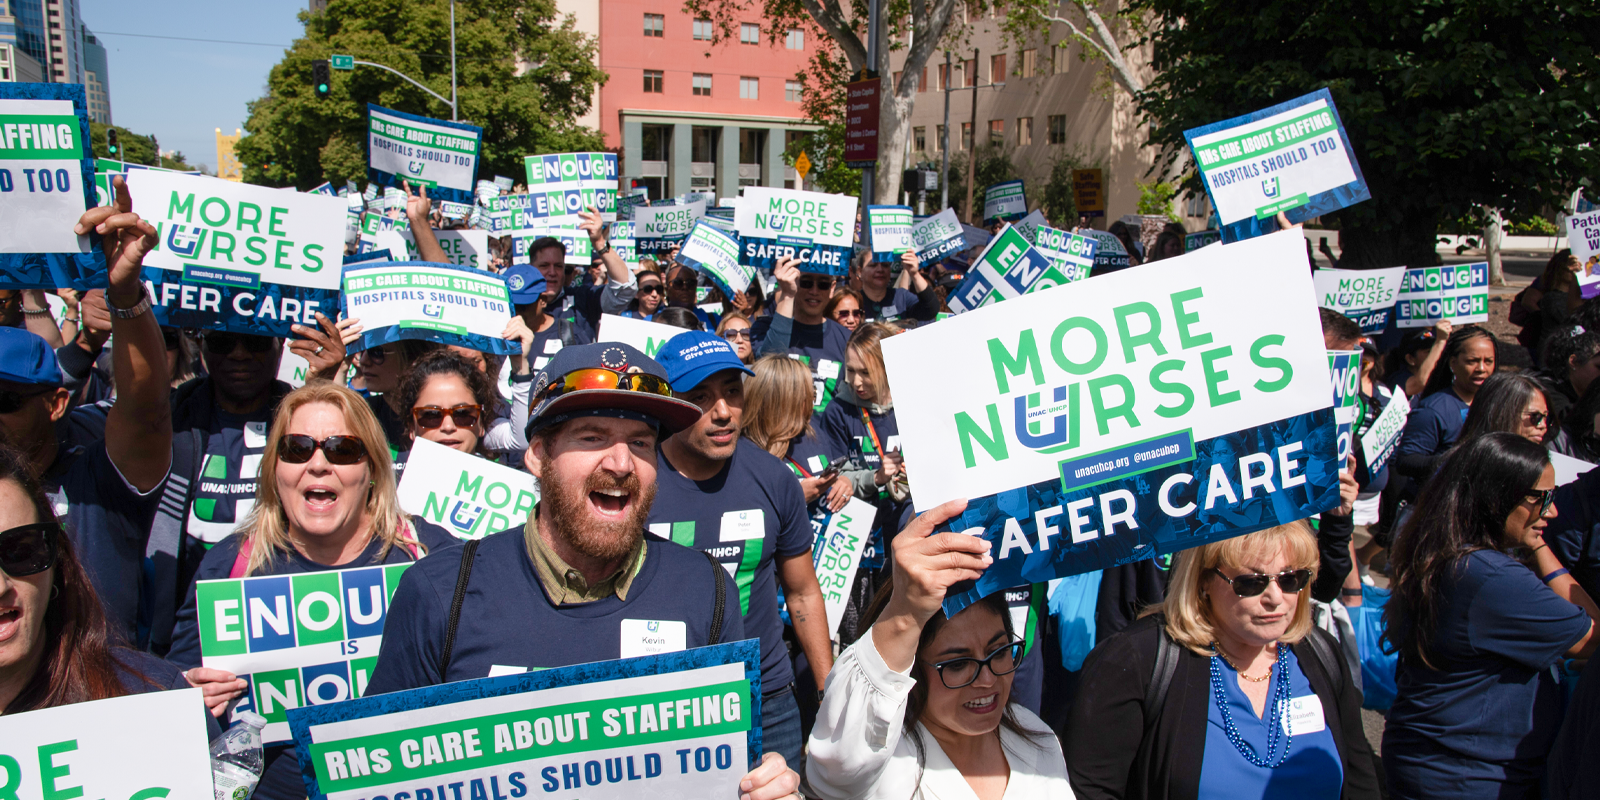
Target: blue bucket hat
{"points": [[692, 356], [25, 358], [525, 282]]}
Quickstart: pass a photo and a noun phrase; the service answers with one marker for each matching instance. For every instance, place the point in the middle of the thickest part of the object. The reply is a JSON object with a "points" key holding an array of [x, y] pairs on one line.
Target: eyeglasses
{"points": [[29, 549], [221, 343], [1253, 584], [12, 402], [735, 334], [465, 415], [959, 672], [815, 283], [1544, 498], [297, 448], [649, 288], [685, 283], [850, 313], [1538, 418], [374, 356], [601, 378]]}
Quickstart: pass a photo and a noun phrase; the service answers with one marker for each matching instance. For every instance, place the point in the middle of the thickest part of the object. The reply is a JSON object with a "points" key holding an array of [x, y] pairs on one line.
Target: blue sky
{"points": [[182, 91]]}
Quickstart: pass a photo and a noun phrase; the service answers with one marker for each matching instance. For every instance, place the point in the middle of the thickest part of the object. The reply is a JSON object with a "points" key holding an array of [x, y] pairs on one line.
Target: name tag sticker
{"points": [[647, 637], [827, 368], [1303, 715], [739, 526], [496, 670]]}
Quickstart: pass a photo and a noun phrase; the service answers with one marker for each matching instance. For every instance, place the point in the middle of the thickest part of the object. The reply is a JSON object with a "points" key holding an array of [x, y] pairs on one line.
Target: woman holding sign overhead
{"points": [[325, 501]]}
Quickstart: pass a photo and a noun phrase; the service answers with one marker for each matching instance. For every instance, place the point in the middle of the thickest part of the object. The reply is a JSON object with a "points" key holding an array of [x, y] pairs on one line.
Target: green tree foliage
{"points": [[136, 148], [1449, 104], [995, 165], [1056, 196], [524, 75], [822, 101], [1155, 197]]}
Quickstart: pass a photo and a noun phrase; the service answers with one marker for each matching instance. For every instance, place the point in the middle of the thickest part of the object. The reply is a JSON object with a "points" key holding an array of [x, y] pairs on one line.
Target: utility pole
{"points": [[454, 108], [972, 145], [869, 173], [944, 143]]}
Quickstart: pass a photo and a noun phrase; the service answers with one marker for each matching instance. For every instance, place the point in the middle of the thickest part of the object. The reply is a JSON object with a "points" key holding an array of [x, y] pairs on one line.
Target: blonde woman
{"points": [[777, 418], [325, 500], [1224, 691]]}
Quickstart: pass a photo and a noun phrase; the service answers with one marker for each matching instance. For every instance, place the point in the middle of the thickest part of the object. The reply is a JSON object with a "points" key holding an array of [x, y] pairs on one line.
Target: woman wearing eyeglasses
{"points": [[920, 706], [649, 298], [325, 500], [735, 328], [1482, 615], [1225, 690]]}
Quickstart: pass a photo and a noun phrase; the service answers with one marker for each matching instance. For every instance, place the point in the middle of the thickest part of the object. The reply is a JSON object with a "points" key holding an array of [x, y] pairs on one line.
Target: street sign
{"points": [[342, 62], [802, 165], [861, 123], [1088, 188]]}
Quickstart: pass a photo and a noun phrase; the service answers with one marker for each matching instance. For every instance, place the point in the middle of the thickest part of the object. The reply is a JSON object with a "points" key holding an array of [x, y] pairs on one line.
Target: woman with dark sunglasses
{"points": [[921, 706], [1511, 402], [1250, 699], [650, 297], [325, 500], [451, 402], [1482, 614]]}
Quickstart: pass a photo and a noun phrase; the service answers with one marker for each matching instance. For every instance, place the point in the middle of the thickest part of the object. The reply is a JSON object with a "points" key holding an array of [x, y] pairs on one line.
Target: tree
{"points": [[136, 148], [923, 22], [823, 104], [523, 74], [995, 164], [1450, 105]]}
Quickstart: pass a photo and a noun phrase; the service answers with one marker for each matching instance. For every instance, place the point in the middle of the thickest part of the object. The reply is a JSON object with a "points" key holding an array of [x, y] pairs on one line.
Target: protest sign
{"points": [[1070, 255], [1366, 296], [293, 368], [1292, 158], [592, 175], [1009, 267], [1195, 241], [715, 253], [468, 496], [420, 300], [976, 237], [1379, 442], [435, 153], [1568, 469], [549, 207], [47, 181], [1134, 414], [657, 229], [1583, 236], [841, 539], [462, 248], [1344, 369], [646, 336], [239, 257], [1088, 192], [503, 182], [620, 236], [888, 232], [1029, 226], [299, 640], [938, 237], [814, 227], [577, 243], [628, 202], [143, 747], [1004, 202], [684, 724], [1109, 254], [1456, 292]]}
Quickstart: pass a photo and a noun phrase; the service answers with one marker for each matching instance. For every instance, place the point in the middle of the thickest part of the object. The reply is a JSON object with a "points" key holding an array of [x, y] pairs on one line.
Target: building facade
{"points": [[17, 65], [96, 78], [41, 41]]}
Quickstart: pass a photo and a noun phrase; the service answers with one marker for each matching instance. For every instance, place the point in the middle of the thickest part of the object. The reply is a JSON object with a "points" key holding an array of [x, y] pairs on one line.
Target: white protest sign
{"points": [[1381, 439], [469, 496], [1583, 236], [815, 227], [1116, 360], [1029, 226], [1366, 296], [292, 368], [656, 229], [888, 231], [419, 300], [1568, 469], [938, 237], [1456, 292], [592, 175], [463, 248], [1008, 267], [1004, 202], [142, 747], [424, 151], [646, 336], [42, 191], [577, 243], [716, 254], [837, 552]]}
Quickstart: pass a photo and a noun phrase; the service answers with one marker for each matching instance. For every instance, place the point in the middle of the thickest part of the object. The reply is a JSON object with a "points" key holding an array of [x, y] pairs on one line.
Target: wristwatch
{"points": [[131, 313], [601, 251]]}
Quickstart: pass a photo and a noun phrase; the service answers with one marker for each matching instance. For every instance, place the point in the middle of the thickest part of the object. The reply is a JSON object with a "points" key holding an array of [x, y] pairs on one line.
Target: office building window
{"points": [[941, 77], [1058, 128], [702, 30], [938, 135], [791, 91], [749, 89], [966, 136], [702, 84], [655, 25], [1059, 55], [1024, 131], [1030, 63], [997, 68], [969, 73], [796, 40], [922, 80], [749, 33], [652, 81], [997, 131], [919, 139]]}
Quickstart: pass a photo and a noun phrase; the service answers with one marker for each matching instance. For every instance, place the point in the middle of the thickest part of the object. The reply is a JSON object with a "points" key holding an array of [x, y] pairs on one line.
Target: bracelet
{"points": [[34, 312], [1552, 576], [1537, 549], [70, 319]]}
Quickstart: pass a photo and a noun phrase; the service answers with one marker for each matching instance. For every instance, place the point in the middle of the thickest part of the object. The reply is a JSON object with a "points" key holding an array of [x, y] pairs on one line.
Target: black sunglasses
{"points": [[1545, 498], [685, 283], [29, 549], [959, 672], [221, 343], [12, 402], [815, 283], [1253, 584], [649, 288], [1537, 418], [297, 448], [430, 417], [374, 356]]}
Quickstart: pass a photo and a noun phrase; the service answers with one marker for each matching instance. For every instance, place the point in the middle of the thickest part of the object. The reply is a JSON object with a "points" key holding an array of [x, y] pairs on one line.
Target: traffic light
{"points": [[113, 150], [321, 78]]}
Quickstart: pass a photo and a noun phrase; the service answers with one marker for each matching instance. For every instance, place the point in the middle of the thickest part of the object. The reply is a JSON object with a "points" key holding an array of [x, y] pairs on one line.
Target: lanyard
{"points": [[804, 473], [873, 432]]}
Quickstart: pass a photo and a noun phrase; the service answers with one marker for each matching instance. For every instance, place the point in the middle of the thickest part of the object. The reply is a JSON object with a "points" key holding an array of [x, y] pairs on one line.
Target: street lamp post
{"points": [[944, 139], [454, 109]]}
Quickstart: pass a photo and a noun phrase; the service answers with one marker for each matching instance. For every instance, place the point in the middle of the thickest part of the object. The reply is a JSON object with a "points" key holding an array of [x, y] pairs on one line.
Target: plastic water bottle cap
{"points": [[251, 719]]}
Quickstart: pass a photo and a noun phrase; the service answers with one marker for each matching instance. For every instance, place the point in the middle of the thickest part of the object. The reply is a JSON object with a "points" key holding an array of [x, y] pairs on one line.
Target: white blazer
{"points": [[857, 750]]}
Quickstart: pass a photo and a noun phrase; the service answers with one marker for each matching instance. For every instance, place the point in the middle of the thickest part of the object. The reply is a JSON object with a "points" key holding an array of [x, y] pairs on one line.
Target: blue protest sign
{"points": [[938, 237], [1004, 202], [817, 228], [888, 232], [47, 181], [435, 153], [441, 303]]}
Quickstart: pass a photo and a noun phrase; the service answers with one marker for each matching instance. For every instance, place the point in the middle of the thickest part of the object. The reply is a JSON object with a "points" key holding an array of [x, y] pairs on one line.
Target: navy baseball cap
{"points": [[525, 282], [593, 380], [692, 356], [25, 358]]}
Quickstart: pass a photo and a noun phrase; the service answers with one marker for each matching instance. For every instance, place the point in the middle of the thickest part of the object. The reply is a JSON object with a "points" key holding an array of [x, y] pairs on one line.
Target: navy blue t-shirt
{"points": [[820, 347], [895, 304], [1433, 425], [226, 490], [845, 434], [1574, 534], [1494, 696], [280, 780], [508, 623], [749, 513]]}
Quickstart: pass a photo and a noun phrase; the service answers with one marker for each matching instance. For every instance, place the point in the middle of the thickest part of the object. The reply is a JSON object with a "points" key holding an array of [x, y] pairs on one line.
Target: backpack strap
{"points": [[163, 551], [241, 562], [1166, 664], [1322, 651], [469, 553], [715, 636]]}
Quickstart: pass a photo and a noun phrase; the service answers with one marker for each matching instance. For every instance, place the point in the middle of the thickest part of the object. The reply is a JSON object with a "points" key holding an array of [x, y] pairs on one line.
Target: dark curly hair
{"points": [[445, 362]]}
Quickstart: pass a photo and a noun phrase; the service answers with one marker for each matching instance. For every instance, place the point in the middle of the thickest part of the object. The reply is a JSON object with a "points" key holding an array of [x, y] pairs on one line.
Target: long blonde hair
{"points": [[266, 526], [867, 341], [777, 403], [1189, 621]]}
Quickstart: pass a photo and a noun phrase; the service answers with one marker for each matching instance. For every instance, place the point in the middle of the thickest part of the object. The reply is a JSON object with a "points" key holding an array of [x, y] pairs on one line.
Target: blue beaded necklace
{"points": [[1279, 701]]}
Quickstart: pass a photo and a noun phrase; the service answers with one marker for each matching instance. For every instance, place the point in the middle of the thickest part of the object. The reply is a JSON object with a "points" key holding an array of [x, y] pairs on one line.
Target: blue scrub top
{"points": [[1312, 771]]}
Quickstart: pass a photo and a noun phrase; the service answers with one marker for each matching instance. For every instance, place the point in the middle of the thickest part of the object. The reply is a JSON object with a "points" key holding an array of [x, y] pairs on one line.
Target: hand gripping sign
{"points": [[1133, 414], [47, 179]]}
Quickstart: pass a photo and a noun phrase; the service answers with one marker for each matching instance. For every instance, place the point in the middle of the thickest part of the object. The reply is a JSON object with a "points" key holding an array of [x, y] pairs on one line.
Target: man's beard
{"points": [[572, 521]]}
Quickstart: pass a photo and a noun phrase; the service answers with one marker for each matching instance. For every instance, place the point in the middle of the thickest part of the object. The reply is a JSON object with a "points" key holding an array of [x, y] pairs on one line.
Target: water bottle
{"points": [[236, 761]]}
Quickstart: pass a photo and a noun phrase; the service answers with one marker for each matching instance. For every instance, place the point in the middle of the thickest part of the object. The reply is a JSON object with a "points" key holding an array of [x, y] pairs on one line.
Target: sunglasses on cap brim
{"points": [[600, 378]]}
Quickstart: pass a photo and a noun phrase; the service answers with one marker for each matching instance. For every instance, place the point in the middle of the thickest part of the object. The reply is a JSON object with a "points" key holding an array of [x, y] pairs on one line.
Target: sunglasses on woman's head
{"points": [[297, 448], [1253, 584], [465, 415], [221, 343], [1544, 498], [29, 549]]}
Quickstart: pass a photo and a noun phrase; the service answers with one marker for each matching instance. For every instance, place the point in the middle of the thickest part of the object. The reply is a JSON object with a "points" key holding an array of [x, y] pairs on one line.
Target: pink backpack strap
{"points": [[407, 540], [241, 562]]}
